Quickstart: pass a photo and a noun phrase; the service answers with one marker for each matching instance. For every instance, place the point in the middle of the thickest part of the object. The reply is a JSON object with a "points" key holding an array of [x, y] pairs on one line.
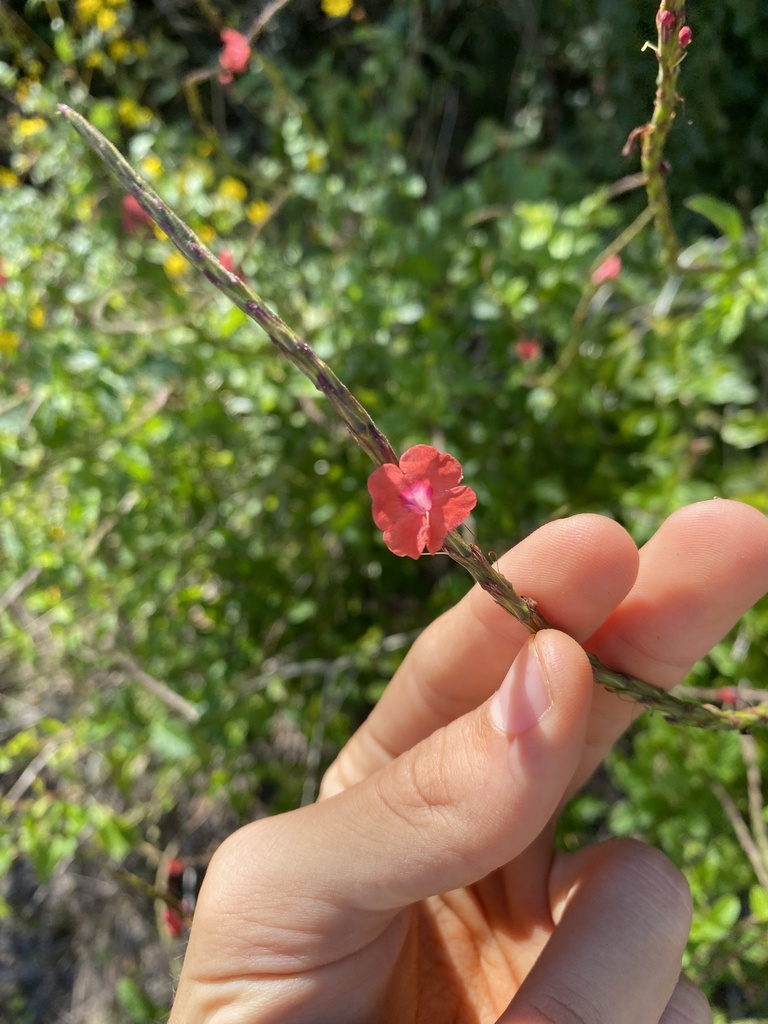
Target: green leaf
{"points": [[136, 1004], [724, 216], [758, 902], [234, 319], [169, 740], [62, 44], [745, 429], [718, 920]]}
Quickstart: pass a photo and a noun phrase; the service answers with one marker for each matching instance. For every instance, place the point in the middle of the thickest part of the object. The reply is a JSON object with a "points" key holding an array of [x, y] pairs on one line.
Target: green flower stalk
{"points": [[375, 444], [674, 36]]}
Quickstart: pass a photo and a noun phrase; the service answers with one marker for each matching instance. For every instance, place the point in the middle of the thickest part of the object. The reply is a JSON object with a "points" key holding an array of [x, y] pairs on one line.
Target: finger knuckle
{"points": [[418, 789]]}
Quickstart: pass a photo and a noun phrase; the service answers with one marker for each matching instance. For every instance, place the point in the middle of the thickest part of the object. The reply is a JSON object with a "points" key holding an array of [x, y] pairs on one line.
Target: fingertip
{"points": [[587, 554], [550, 669], [568, 672]]}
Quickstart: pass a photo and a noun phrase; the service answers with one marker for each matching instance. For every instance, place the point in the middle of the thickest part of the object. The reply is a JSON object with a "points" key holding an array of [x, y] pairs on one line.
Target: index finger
{"points": [[463, 657], [651, 615], [706, 566]]}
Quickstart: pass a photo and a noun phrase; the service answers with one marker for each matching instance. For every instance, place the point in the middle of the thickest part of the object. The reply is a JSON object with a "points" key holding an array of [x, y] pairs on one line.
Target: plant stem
{"points": [[571, 347], [376, 445], [669, 53], [359, 423]]}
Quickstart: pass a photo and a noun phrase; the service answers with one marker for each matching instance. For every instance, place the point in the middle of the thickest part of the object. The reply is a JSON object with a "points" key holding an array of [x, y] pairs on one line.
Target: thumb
{"points": [[455, 807], [474, 794]]}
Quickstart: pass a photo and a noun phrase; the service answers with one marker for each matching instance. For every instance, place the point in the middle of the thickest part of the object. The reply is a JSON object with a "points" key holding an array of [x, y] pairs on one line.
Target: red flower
{"points": [[609, 269], [3, 278], [666, 22], [227, 260], [134, 216], [728, 695], [528, 349], [418, 501], [235, 56], [173, 921], [684, 36]]}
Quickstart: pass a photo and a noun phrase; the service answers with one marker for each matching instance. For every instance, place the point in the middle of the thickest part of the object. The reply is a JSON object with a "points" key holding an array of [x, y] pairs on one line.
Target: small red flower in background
{"points": [[134, 216], [418, 501], [685, 36], [234, 58], [728, 695], [527, 349], [227, 260], [173, 922], [609, 269]]}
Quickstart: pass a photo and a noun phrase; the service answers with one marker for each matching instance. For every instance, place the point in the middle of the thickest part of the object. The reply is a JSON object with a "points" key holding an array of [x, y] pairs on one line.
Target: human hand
{"points": [[423, 888]]}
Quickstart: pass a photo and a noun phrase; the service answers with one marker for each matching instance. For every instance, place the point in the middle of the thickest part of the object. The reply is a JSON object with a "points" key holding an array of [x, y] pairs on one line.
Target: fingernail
{"points": [[523, 698]]}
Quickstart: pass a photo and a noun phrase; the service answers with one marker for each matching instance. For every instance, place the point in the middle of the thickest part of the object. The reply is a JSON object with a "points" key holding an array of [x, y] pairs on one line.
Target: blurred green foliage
{"points": [[194, 602]]}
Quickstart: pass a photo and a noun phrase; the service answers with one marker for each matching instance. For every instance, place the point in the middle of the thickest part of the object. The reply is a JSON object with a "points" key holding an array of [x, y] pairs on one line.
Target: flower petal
{"points": [[385, 485], [423, 462], [407, 536], [452, 511], [455, 505]]}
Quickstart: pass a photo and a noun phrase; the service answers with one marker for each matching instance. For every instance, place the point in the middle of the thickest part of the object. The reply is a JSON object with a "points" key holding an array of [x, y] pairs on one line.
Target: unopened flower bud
{"points": [[666, 22], [685, 36]]}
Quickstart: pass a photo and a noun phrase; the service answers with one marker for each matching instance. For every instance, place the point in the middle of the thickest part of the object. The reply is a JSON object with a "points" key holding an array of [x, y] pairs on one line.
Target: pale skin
{"points": [[423, 886]]}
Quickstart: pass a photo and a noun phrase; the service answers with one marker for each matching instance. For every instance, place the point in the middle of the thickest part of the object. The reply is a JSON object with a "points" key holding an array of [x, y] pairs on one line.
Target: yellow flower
{"points": [[87, 10], [175, 265], [23, 88], [258, 211], [152, 165], [119, 50], [140, 48], [9, 341], [159, 233], [7, 178], [206, 234], [204, 148], [315, 161], [106, 20], [336, 8], [84, 208], [94, 59], [37, 317], [132, 114], [231, 188], [31, 126]]}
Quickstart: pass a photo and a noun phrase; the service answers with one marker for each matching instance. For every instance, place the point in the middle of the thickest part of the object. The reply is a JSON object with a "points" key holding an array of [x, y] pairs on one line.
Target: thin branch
{"points": [[721, 694], [571, 348], [755, 797], [670, 51], [274, 668], [33, 769], [253, 31], [262, 20], [365, 432], [162, 691], [744, 836], [105, 527], [18, 587]]}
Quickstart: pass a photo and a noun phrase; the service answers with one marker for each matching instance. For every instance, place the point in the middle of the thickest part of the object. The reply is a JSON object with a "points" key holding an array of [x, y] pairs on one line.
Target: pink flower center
{"points": [[417, 496]]}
